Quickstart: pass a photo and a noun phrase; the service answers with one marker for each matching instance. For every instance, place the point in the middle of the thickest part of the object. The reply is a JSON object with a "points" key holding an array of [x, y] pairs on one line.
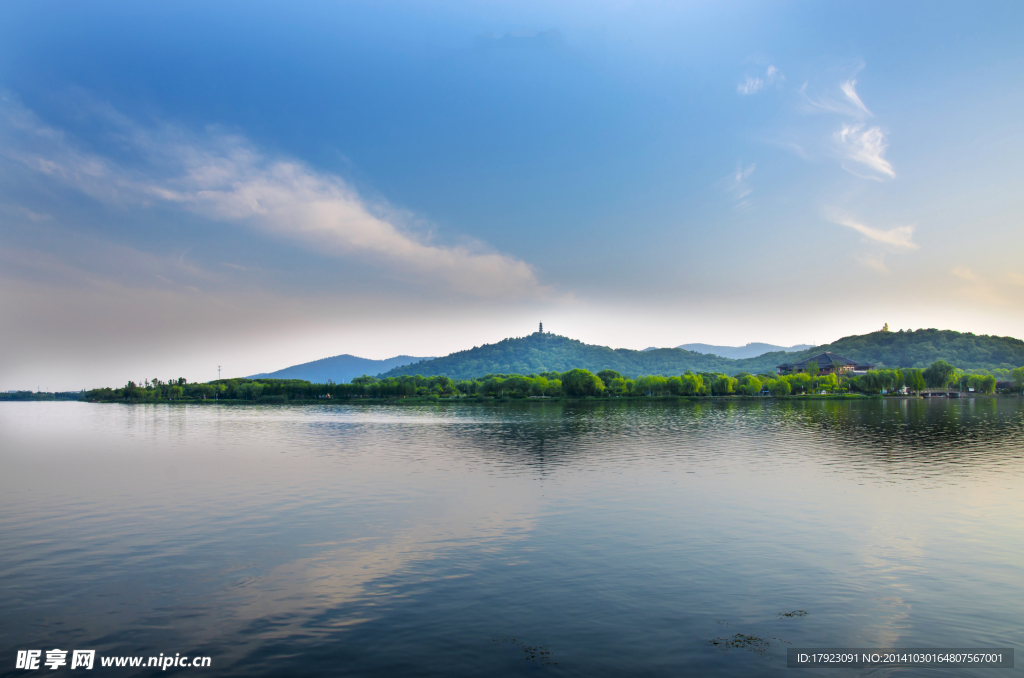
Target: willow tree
{"points": [[939, 374]]}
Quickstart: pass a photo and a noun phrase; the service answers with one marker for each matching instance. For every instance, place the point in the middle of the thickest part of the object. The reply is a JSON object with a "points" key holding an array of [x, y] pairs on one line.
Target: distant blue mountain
{"points": [[339, 369], [741, 352]]}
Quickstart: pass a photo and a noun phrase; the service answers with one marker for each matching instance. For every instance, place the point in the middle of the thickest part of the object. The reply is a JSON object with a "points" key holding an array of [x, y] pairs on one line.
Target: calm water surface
{"points": [[519, 539]]}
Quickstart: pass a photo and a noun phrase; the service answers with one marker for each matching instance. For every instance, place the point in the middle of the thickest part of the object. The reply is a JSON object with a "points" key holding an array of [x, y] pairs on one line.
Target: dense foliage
{"points": [[40, 395], [539, 353], [571, 383], [227, 389], [921, 348]]}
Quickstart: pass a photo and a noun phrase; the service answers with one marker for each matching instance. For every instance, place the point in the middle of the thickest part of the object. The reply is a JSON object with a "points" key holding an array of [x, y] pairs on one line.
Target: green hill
{"points": [[538, 353], [922, 347]]}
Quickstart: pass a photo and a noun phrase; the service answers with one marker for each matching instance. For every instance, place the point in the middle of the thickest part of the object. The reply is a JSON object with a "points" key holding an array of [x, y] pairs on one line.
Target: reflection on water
{"points": [[564, 538]]}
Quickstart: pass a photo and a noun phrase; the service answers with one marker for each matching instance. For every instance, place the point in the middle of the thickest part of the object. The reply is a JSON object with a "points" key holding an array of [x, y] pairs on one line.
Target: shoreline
{"points": [[427, 400]]}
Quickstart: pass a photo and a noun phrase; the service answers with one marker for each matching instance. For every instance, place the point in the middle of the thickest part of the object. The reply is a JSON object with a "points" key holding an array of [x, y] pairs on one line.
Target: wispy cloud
{"points": [[977, 288], [849, 104], [789, 145], [850, 90], [855, 142], [224, 177], [22, 212], [813, 102], [865, 146], [874, 261], [899, 237], [750, 86], [754, 84], [966, 274], [736, 184], [526, 37]]}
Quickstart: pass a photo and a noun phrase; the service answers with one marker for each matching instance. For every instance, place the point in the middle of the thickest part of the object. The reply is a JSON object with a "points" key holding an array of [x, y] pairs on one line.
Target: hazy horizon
{"points": [[260, 186]]}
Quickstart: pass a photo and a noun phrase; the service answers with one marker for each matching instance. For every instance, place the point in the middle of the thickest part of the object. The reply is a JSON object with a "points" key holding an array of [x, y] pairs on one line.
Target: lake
{"points": [[524, 538]]}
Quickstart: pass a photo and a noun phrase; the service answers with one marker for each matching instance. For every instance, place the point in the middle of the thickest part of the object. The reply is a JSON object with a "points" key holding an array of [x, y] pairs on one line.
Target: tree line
{"points": [[572, 383]]}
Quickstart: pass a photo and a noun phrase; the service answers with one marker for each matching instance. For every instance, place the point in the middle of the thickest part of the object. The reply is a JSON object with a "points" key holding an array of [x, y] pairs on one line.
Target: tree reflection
{"points": [[917, 433]]}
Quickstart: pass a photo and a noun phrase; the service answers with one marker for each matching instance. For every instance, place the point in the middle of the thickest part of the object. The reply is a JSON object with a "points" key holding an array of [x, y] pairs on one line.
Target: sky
{"points": [[253, 185]]}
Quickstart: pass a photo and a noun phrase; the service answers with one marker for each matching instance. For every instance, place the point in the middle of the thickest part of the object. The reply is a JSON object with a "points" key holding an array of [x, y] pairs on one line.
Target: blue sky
{"points": [[257, 184]]}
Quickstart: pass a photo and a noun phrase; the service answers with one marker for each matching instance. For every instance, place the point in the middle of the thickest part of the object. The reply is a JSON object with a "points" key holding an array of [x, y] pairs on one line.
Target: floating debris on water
{"points": [[743, 642], [794, 614], [539, 654]]}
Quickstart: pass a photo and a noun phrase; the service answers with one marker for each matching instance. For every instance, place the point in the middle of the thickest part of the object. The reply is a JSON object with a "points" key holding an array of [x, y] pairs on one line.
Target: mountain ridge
{"points": [[751, 350], [339, 369], [539, 352]]}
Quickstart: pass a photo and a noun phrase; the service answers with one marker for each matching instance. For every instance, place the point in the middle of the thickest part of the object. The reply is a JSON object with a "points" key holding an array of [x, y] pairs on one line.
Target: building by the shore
{"points": [[828, 363]]}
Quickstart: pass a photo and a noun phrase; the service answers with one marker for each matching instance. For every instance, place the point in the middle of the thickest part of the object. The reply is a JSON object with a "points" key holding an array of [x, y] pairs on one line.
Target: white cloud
{"points": [[865, 146], [750, 86], [850, 104], [16, 211], [820, 103], [855, 141], [225, 178], [753, 84], [875, 261], [966, 274], [736, 184], [896, 237], [977, 288], [850, 90]]}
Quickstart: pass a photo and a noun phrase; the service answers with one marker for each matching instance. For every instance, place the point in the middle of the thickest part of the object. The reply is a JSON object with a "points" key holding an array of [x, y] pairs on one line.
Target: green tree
{"points": [[829, 382], [1018, 377], [939, 374], [493, 386], [749, 385], [651, 385], [693, 384], [723, 385], [675, 385], [205, 391], [581, 383], [779, 387], [914, 378], [539, 386], [798, 382], [981, 383], [621, 386]]}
